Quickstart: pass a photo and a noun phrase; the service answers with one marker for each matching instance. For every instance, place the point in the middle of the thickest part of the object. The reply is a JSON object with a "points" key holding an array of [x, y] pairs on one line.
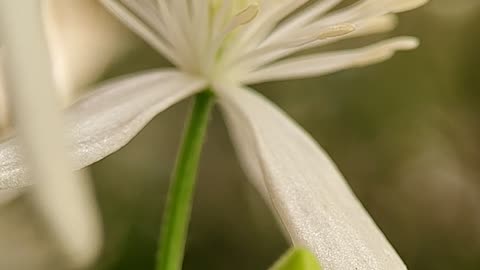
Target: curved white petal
{"points": [[107, 119], [310, 196]]}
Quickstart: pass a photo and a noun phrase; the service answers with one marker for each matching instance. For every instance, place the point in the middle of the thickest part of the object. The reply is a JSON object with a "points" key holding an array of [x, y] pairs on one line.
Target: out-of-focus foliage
{"points": [[405, 133]]}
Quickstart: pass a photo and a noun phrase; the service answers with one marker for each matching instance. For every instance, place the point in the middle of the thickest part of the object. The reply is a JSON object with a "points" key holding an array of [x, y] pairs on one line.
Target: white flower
{"points": [[223, 46]]}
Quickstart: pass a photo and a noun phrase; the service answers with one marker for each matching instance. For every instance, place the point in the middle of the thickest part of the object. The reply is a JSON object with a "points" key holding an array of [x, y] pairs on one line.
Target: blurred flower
{"points": [[79, 31], [61, 196], [69, 38], [222, 46], [73, 41]]}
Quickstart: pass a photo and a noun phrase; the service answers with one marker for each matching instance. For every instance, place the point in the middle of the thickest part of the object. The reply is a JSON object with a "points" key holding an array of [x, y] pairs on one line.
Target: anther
{"points": [[243, 17]]}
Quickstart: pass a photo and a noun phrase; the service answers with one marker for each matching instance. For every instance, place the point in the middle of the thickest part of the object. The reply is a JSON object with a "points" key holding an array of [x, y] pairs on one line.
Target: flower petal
{"points": [[312, 199], [107, 119]]}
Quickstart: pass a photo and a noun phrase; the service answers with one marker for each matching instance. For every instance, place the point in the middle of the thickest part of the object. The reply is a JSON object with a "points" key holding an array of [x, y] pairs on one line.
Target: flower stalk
{"points": [[180, 195]]}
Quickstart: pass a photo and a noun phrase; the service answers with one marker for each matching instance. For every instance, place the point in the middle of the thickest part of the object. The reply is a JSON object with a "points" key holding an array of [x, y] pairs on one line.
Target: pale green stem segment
{"points": [[177, 212]]}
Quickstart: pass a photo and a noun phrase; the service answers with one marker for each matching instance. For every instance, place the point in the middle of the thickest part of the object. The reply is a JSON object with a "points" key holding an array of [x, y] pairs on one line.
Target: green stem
{"points": [[177, 212]]}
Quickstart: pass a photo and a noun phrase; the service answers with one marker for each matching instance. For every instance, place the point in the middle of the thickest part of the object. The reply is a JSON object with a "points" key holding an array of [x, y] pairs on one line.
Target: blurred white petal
{"points": [[25, 245], [107, 119], [4, 119], [61, 197], [6, 196], [83, 39], [312, 199]]}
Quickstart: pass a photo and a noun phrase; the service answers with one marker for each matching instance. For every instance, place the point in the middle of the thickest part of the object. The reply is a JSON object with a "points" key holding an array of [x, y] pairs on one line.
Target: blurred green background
{"points": [[405, 133]]}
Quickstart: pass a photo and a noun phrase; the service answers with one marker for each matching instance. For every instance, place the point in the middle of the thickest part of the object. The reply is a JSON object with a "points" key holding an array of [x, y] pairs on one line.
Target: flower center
{"points": [[226, 18]]}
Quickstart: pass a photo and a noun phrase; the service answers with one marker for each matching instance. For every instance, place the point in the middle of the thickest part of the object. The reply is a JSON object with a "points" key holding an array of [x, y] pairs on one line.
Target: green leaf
{"points": [[297, 259]]}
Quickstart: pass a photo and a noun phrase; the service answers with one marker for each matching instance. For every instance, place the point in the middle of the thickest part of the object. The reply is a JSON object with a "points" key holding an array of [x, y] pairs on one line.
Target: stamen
{"points": [[368, 8], [258, 56], [243, 17], [259, 29], [301, 19], [329, 32], [337, 30], [374, 25], [325, 63]]}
